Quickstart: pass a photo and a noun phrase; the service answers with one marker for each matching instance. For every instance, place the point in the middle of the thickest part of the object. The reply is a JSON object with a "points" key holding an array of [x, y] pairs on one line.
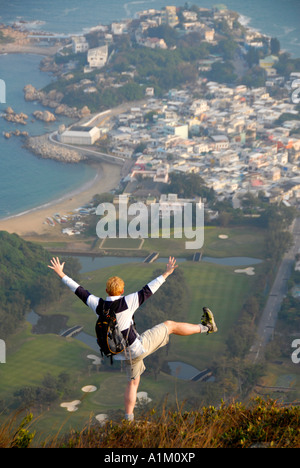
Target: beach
{"points": [[22, 43], [32, 48], [32, 223]]}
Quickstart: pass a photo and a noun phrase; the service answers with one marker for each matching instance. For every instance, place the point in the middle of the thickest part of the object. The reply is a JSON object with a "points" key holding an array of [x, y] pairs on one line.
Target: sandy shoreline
{"points": [[107, 176], [31, 223], [28, 49]]}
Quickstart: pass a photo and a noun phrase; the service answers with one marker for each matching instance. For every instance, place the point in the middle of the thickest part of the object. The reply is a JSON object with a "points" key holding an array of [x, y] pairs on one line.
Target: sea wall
{"points": [[42, 147]]}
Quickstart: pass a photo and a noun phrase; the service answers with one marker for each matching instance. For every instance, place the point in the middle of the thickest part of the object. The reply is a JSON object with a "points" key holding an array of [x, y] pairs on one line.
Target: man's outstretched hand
{"points": [[171, 265], [57, 267]]}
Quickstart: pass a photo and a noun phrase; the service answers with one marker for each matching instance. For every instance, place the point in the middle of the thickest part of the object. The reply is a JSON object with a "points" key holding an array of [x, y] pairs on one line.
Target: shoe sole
{"points": [[210, 318]]}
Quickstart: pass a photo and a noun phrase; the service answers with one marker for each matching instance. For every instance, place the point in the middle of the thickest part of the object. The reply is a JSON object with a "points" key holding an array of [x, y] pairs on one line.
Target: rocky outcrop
{"points": [[8, 135], [53, 99], [32, 94], [42, 147], [11, 116], [45, 116], [84, 112], [48, 65]]}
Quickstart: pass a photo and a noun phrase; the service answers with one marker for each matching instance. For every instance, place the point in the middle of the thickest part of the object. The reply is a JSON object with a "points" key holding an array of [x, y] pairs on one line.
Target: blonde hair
{"points": [[115, 286]]}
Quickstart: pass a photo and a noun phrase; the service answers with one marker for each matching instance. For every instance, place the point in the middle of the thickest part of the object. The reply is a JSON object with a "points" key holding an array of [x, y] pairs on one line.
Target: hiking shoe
{"points": [[208, 320]]}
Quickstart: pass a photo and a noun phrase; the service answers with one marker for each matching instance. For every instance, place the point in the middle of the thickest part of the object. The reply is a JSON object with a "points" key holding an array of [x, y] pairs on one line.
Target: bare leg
{"points": [[130, 395], [181, 328], [177, 328]]}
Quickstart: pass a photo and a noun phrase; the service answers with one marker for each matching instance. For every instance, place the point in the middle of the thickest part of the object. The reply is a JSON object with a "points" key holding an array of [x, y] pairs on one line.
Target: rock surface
{"points": [[45, 116], [53, 99], [44, 148], [11, 116]]}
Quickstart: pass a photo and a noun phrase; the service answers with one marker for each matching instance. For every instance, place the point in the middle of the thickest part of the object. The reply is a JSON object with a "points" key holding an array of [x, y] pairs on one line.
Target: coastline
{"points": [[32, 222], [28, 49]]}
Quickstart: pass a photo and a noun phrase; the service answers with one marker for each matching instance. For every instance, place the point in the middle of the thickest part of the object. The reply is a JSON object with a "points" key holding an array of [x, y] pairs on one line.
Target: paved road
{"points": [[279, 289], [96, 155], [97, 120]]}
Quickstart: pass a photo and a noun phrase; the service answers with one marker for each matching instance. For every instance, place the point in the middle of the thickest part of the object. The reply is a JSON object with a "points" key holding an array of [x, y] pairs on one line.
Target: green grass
{"points": [[241, 242], [215, 286], [121, 243], [30, 357], [244, 242], [37, 355], [262, 423]]}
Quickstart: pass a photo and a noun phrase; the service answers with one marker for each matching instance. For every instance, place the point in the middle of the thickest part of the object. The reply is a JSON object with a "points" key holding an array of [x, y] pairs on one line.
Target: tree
{"points": [[225, 218], [25, 280], [227, 47], [222, 72], [189, 186], [252, 57], [275, 46], [164, 31], [254, 78]]}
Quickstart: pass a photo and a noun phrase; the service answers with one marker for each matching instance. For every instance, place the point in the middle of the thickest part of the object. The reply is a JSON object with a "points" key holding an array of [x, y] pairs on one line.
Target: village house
{"points": [[79, 44], [97, 57], [169, 16], [220, 142], [119, 28], [228, 137], [153, 43]]}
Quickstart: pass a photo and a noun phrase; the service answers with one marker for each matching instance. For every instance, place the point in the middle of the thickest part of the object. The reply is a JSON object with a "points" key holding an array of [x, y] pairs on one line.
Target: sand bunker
{"points": [[96, 359], [101, 418], [223, 236], [248, 271], [71, 406], [89, 388]]}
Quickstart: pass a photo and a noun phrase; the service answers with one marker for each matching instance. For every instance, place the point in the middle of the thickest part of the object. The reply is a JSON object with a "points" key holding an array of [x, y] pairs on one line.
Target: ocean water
{"points": [[26, 181], [280, 18]]}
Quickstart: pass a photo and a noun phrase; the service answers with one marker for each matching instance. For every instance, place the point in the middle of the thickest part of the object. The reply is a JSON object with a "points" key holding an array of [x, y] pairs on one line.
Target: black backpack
{"points": [[109, 336]]}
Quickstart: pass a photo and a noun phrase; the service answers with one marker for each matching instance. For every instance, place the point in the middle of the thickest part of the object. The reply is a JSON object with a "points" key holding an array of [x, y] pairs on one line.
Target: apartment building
{"points": [[97, 57], [79, 44], [169, 16]]}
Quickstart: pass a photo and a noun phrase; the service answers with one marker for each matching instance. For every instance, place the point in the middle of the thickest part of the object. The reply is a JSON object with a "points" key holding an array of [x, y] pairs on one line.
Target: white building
{"points": [[169, 16], [225, 158], [79, 44], [153, 43], [220, 142], [199, 106], [173, 128], [118, 28], [80, 135], [97, 57]]}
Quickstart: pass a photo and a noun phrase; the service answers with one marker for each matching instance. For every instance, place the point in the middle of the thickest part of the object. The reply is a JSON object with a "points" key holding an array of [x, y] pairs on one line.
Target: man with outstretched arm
{"points": [[139, 346]]}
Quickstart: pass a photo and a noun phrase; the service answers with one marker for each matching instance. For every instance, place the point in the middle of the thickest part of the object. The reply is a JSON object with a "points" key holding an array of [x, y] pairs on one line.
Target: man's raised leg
{"points": [[207, 325], [182, 328]]}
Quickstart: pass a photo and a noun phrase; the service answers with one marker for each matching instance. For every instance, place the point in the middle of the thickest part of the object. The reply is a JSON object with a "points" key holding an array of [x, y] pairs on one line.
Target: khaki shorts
{"points": [[152, 340]]}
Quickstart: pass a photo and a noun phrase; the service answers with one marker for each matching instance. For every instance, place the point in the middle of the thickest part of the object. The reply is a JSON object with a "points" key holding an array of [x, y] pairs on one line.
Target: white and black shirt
{"points": [[124, 308]]}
